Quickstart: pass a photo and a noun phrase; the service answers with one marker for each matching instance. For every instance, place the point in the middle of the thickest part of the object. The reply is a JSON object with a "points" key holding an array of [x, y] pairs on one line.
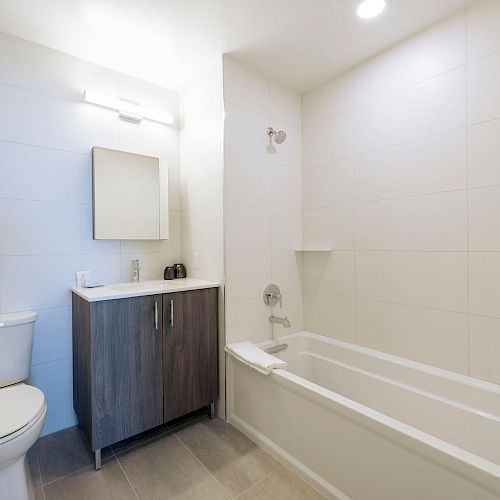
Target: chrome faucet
{"points": [[282, 321], [135, 270]]}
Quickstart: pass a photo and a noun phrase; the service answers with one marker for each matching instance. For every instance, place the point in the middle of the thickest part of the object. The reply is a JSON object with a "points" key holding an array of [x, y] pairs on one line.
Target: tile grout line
{"points": [[125, 474], [260, 480], [201, 463]]}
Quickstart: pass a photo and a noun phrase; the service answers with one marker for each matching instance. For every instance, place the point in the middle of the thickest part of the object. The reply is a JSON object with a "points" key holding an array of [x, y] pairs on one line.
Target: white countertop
{"points": [[125, 290]]}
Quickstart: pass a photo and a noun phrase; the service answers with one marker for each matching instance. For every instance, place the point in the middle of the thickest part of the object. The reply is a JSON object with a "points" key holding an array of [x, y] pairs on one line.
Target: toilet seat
{"points": [[22, 405]]}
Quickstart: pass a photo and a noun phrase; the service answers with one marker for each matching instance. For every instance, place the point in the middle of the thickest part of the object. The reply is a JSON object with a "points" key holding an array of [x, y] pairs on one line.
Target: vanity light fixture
{"points": [[370, 8], [126, 110]]}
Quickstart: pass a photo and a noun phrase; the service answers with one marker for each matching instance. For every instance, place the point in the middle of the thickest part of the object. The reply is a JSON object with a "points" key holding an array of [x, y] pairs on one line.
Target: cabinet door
{"points": [[127, 368], [190, 351]]}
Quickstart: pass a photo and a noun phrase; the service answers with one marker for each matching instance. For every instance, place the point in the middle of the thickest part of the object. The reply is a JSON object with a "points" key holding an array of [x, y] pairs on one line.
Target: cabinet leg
{"points": [[211, 410], [97, 455]]}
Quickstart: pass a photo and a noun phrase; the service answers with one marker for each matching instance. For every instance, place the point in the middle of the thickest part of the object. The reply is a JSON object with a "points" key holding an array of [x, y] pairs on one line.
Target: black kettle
{"points": [[180, 270]]}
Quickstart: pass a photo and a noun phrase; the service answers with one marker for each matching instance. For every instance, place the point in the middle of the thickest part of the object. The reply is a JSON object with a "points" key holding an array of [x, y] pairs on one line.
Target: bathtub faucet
{"points": [[282, 321]]}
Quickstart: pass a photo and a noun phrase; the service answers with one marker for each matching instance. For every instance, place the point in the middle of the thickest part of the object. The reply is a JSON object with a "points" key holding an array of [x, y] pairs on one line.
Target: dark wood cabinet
{"points": [[142, 361], [189, 351]]}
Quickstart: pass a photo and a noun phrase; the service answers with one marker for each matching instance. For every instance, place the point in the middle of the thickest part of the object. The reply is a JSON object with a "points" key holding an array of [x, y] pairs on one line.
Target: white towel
{"points": [[254, 357]]}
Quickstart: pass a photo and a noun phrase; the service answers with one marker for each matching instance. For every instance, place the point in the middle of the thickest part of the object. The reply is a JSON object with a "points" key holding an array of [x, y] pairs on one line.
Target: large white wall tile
{"points": [[36, 173], [419, 223], [328, 100], [286, 270], [285, 187], [248, 228], [152, 264], [483, 35], [330, 228], [202, 229], [203, 183], [247, 180], [330, 315], [438, 338], [484, 292], [42, 281], [39, 227], [329, 140], [436, 280], [428, 108], [284, 105], [245, 87], [330, 272], [329, 184], [247, 275], [428, 165], [246, 135], [484, 345], [293, 308], [484, 216], [286, 229], [40, 120], [248, 320], [434, 51], [483, 89], [55, 379], [484, 154], [53, 335]]}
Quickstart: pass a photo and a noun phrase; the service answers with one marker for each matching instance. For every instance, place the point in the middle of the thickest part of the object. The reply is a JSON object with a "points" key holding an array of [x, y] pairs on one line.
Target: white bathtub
{"points": [[363, 425]]}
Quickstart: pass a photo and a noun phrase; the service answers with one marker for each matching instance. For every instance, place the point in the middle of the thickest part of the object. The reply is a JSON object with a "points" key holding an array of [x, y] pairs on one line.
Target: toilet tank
{"points": [[16, 342]]}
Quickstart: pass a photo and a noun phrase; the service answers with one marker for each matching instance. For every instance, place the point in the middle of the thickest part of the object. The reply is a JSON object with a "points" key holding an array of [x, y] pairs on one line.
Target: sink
{"points": [[158, 284]]}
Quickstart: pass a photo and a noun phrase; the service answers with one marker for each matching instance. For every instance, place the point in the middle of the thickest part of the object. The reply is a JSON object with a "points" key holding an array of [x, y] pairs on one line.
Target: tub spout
{"points": [[282, 321]]}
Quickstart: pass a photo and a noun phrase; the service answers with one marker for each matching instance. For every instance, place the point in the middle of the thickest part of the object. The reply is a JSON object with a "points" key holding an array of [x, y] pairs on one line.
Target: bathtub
{"points": [[364, 425]]}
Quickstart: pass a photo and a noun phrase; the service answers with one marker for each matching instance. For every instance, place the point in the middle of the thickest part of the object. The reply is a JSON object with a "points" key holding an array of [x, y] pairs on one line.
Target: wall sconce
{"points": [[127, 110]]}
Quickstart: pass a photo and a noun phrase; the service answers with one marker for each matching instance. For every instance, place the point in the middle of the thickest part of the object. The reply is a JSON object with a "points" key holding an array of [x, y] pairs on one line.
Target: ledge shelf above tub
{"points": [[313, 249]]}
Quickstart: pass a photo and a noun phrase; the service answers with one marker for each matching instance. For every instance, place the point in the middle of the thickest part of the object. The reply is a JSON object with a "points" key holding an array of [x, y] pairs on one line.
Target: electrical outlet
{"points": [[81, 276], [197, 260]]}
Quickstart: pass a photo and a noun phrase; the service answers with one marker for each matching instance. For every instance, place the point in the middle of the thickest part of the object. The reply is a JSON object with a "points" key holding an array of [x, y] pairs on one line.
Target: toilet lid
{"points": [[19, 405]]}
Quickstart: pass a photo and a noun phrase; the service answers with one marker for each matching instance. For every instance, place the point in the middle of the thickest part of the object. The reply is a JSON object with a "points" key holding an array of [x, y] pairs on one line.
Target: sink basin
{"points": [[159, 284]]}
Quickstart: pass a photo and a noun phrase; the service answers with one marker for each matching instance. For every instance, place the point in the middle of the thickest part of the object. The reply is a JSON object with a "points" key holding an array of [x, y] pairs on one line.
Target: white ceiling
{"points": [[298, 42]]}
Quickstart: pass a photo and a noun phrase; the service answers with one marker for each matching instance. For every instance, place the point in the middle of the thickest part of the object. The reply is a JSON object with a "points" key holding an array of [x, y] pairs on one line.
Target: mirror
{"points": [[129, 196]]}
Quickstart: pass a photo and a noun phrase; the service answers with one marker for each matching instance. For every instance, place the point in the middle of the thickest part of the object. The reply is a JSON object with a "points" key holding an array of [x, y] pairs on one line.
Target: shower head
{"points": [[279, 136]]}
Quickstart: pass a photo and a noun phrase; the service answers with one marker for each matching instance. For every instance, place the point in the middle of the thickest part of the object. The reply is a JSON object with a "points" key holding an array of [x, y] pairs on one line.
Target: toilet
{"points": [[22, 407]]}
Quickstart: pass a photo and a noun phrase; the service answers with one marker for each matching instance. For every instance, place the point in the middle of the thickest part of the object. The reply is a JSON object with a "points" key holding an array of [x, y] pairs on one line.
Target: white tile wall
{"points": [[263, 217], [46, 136], [424, 198]]}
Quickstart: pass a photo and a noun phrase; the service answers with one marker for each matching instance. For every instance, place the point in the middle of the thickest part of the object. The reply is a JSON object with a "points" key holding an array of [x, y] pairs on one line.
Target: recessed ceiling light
{"points": [[370, 8]]}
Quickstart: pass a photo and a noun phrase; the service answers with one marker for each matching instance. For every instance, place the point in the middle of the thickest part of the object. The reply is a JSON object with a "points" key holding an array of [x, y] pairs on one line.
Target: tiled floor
{"points": [[200, 459]]}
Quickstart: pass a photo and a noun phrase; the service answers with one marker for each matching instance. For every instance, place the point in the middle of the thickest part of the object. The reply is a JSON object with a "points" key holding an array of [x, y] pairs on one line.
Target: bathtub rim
{"points": [[476, 469], [392, 358]]}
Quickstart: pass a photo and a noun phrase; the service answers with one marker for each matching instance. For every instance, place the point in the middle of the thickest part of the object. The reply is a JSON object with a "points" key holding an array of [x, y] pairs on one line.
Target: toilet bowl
{"points": [[22, 407]]}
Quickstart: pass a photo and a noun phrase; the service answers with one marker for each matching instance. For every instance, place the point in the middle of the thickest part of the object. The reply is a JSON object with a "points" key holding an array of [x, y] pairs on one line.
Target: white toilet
{"points": [[22, 407]]}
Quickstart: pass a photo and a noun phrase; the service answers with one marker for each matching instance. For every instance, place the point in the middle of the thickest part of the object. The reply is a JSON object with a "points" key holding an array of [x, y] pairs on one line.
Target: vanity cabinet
{"points": [[189, 351], [142, 361]]}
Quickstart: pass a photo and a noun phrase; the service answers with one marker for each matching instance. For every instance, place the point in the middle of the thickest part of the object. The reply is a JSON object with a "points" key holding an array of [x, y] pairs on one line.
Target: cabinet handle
{"points": [[172, 312], [156, 315]]}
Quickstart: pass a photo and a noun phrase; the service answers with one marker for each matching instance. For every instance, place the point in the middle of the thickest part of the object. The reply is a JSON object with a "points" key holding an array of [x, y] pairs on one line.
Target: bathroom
{"points": [[305, 303]]}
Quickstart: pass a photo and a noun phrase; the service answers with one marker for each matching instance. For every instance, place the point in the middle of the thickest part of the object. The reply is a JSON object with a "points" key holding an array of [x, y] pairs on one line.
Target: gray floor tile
{"points": [[62, 453], [109, 483], [34, 467], [282, 484], [231, 457], [165, 469]]}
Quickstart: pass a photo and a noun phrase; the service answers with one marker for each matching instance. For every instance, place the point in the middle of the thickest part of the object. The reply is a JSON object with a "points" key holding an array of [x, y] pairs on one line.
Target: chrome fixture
{"points": [[135, 270], [279, 135], [281, 321], [272, 295], [276, 348]]}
